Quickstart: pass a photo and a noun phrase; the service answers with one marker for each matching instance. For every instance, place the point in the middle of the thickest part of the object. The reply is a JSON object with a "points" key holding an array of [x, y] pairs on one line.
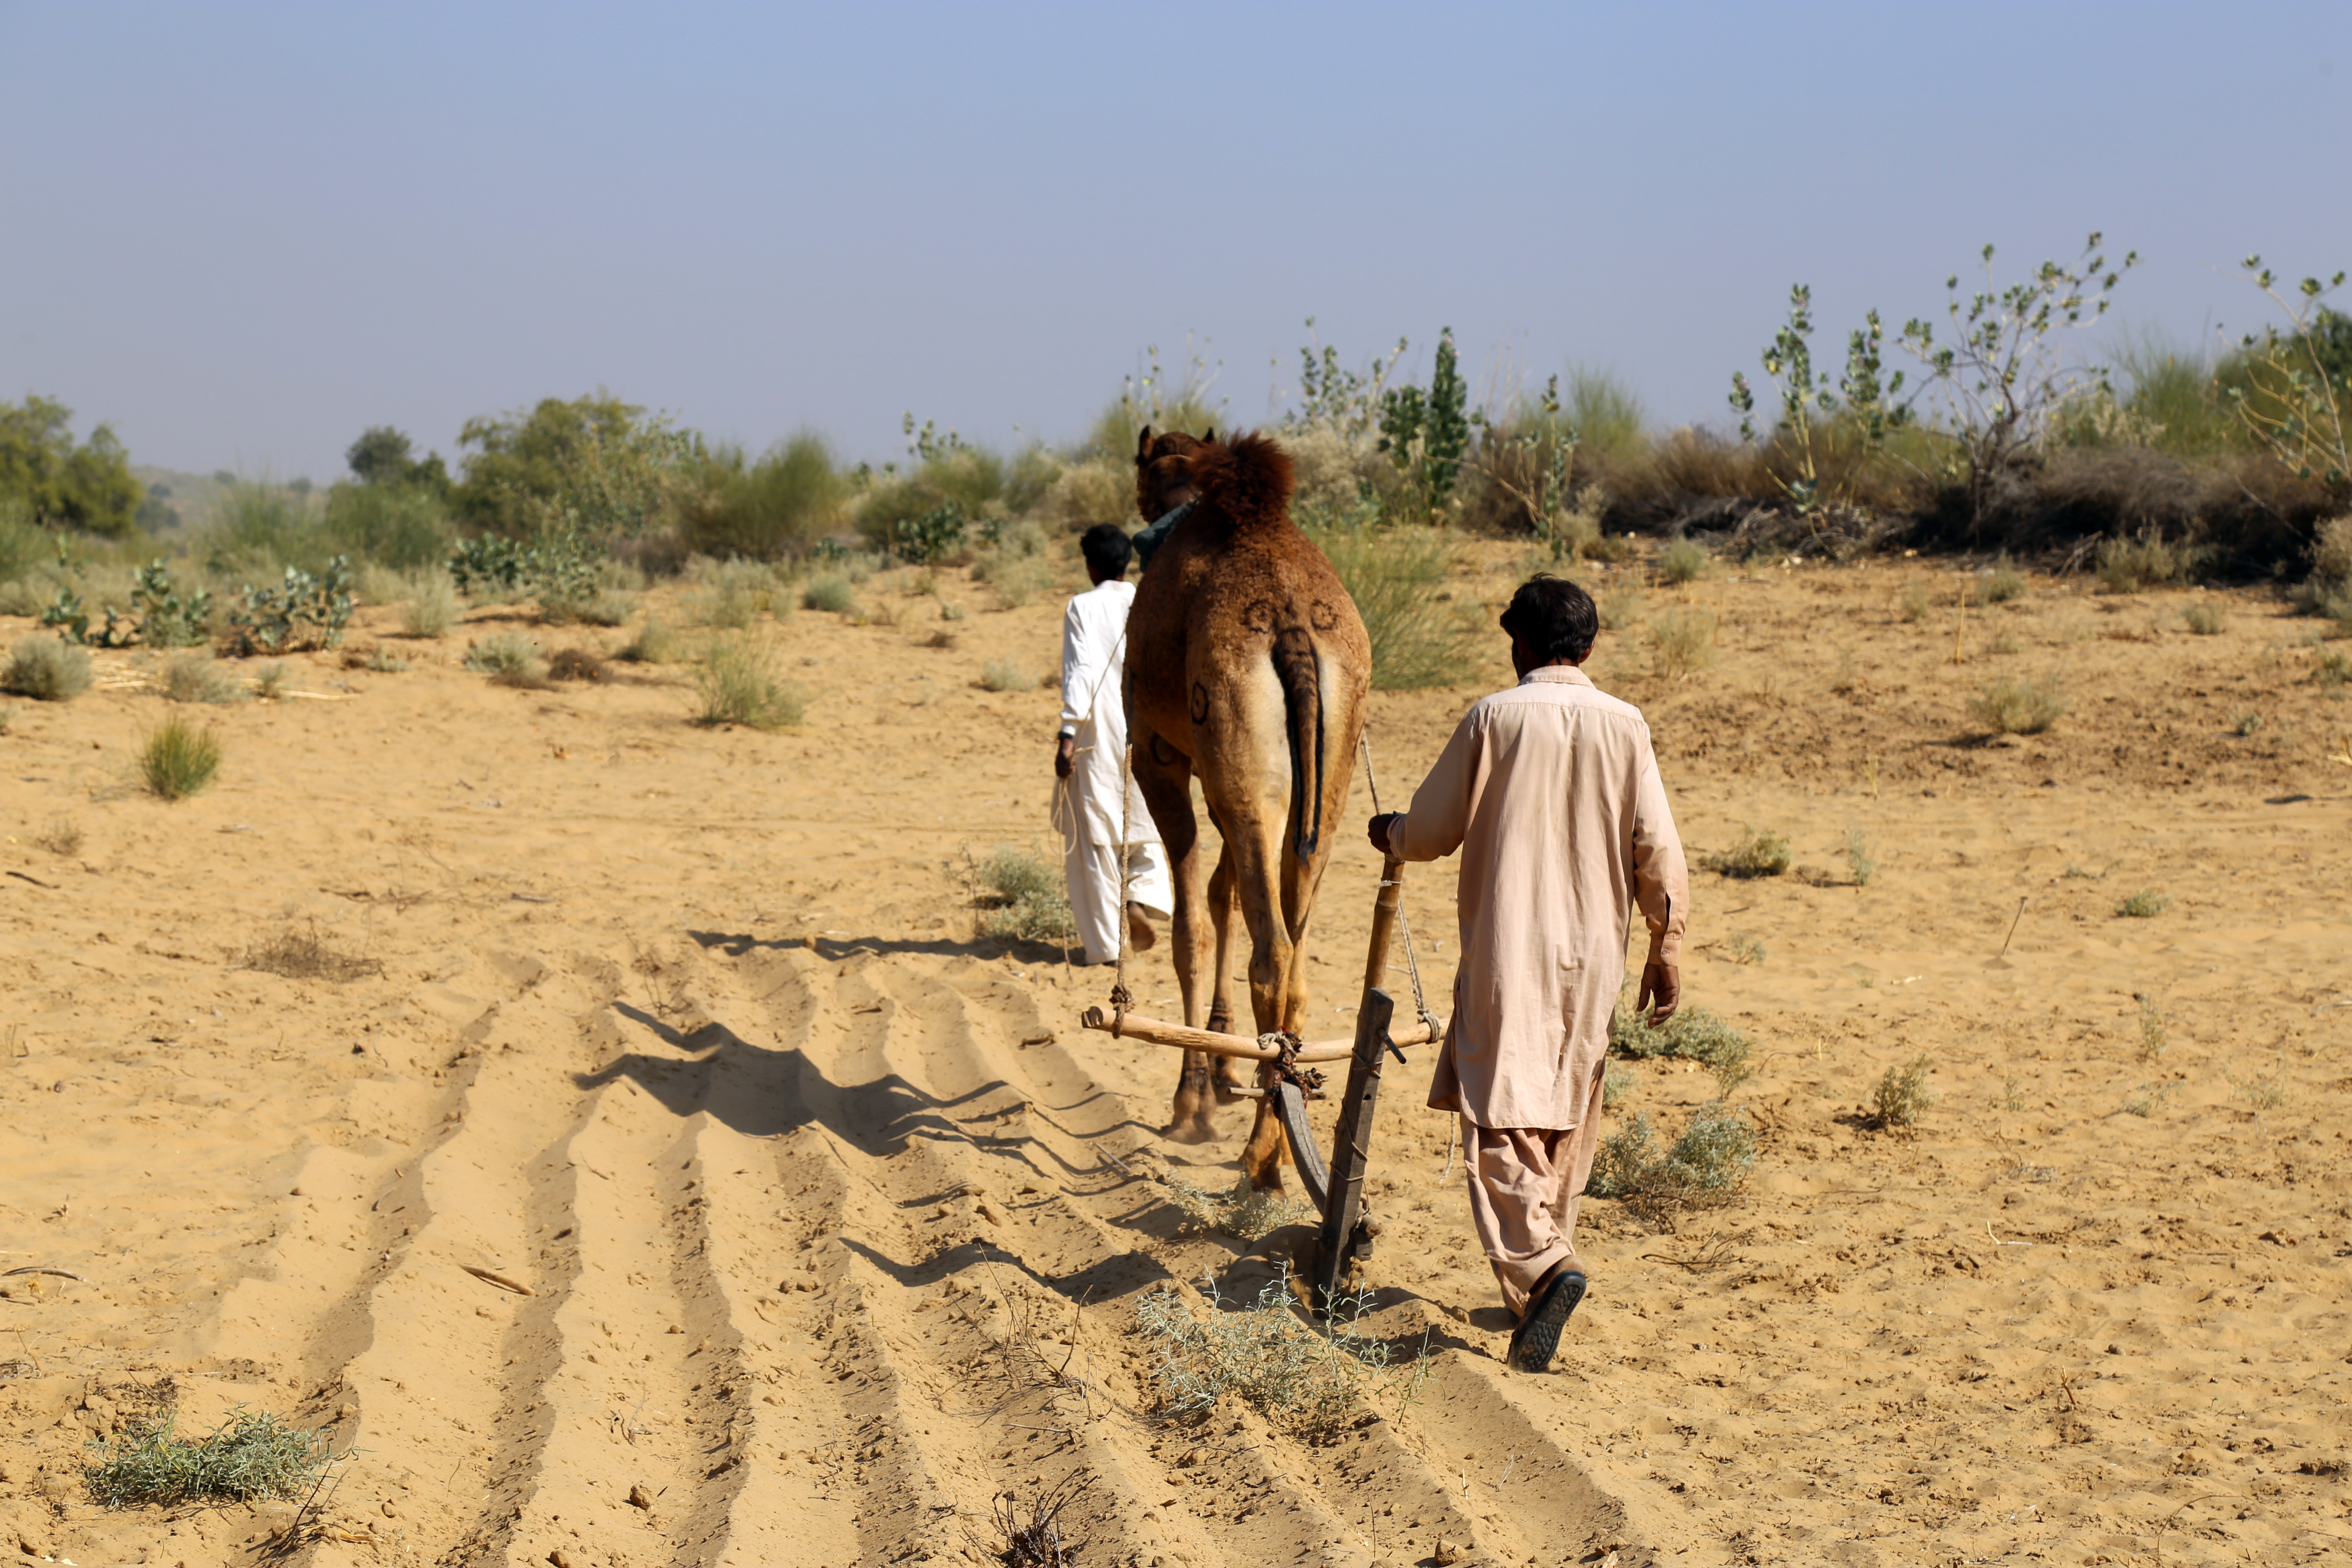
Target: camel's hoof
{"points": [[1193, 1130]]}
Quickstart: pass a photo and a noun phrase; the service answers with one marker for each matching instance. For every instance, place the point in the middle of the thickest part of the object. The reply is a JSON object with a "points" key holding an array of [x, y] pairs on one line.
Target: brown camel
{"points": [[1247, 667]]}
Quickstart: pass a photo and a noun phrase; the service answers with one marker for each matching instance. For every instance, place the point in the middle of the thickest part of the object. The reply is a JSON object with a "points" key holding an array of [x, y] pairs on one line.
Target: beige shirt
{"points": [[1551, 792]]}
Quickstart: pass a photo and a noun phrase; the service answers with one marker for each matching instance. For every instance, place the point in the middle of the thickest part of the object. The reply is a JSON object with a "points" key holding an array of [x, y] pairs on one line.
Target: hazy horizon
{"points": [[259, 229]]}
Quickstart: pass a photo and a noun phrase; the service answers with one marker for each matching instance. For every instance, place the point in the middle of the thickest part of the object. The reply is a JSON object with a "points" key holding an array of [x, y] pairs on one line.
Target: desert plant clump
{"points": [[1003, 675], [1912, 604], [2014, 705], [510, 658], [736, 683], [657, 642], [1901, 1095], [2333, 671], [1311, 1384], [2002, 584], [431, 607], [198, 677], [251, 1457], [306, 956], [2202, 619], [2266, 1091], [60, 837], [384, 661], [1616, 1083], [1703, 1167], [827, 591], [1758, 853], [1034, 1537], [1621, 608], [1243, 1213], [2131, 565], [178, 760], [1682, 642], [1397, 579], [302, 612], [1744, 948], [1693, 1034], [2151, 1027], [46, 669], [1859, 857], [575, 664], [2145, 904], [2248, 721], [269, 680], [1020, 898]]}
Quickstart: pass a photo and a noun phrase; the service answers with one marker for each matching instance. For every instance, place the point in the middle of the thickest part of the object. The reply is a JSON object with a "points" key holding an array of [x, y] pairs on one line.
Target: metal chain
{"points": [[1404, 922]]}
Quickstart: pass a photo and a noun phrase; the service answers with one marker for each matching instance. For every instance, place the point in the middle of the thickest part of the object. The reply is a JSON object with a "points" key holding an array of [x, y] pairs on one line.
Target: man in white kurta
{"points": [[1101, 808], [1551, 792]]}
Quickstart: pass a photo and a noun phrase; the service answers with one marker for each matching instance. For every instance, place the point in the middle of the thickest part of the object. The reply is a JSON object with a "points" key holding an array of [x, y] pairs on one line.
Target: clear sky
{"points": [[243, 233]]}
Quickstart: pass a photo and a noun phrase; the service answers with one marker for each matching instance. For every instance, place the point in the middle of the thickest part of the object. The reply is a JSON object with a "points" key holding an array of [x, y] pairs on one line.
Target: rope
{"points": [[1404, 922]]}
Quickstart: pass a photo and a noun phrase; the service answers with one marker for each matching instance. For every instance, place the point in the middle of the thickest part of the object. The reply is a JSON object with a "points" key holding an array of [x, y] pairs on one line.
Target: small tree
{"points": [[2000, 370], [1426, 434], [64, 485], [2295, 409], [1865, 392]]}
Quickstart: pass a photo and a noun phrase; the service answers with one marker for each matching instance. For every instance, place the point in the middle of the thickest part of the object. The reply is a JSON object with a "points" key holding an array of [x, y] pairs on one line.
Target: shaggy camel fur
{"points": [[1247, 667]]}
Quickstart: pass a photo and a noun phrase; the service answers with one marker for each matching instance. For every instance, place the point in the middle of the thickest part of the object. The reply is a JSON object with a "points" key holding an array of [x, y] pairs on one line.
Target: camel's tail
{"points": [[1248, 478], [1299, 667]]}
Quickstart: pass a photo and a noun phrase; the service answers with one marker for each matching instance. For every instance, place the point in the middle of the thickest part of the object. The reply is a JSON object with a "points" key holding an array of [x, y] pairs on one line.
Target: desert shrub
{"points": [[2266, 1091], [1616, 1083], [1859, 859], [765, 510], [404, 527], [2331, 667], [269, 679], [1397, 578], [431, 607], [1758, 853], [46, 669], [1621, 608], [258, 528], [1914, 604], [177, 760], [2014, 705], [1693, 1034], [1704, 1166], [2129, 565], [198, 677], [1682, 642], [1746, 947], [1243, 1213], [1312, 1385], [2151, 1028], [2145, 904], [384, 661], [303, 611], [2331, 558], [2002, 584], [1018, 574], [734, 593], [249, 1457], [827, 591], [1090, 492], [655, 643], [2202, 619], [1683, 561], [305, 954], [575, 664], [2247, 722], [1902, 1094], [1004, 675], [508, 657], [736, 683], [1021, 898]]}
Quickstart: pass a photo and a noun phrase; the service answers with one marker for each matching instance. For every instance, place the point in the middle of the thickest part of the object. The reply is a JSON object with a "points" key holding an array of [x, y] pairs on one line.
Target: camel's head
{"points": [[1163, 470]]}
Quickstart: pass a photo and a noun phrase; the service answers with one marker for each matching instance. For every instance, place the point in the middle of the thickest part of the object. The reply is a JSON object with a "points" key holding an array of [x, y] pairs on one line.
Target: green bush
{"points": [[767, 510], [1703, 1166], [2129, 565], [177, 760], [2015, 706], [1397, 577], [47, 668], [737, 683], [1683, 561], [1758, 854], [404, 527], [87, 487], [1021, 898], [827, 591], [249, 1457], [2145, 904], [302, 612], [1902, 1094], [1693, 1034]]}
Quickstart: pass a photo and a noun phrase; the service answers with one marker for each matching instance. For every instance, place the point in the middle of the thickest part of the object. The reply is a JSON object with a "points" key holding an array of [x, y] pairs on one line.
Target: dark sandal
{"points": [[1536, 1339]]}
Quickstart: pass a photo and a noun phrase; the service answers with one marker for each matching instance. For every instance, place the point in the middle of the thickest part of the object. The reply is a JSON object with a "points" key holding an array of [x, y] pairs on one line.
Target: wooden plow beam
{"points": [[1336, 1186]]}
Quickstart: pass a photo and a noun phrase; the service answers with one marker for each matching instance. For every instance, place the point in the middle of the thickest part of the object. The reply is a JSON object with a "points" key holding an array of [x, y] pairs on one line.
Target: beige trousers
{"points": [[1525, 1184]]}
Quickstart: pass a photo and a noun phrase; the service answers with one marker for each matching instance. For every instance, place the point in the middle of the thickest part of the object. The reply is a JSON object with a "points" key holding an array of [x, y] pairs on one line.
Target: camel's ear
{"points": [[1143, 446]]}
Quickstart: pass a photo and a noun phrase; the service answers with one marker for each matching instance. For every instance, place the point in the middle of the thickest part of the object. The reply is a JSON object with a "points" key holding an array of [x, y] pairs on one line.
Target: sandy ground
{"points": [[833, 1223]]}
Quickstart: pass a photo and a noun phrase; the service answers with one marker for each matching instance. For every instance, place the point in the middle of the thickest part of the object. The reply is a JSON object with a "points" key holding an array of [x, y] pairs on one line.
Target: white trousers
{"points": [[1092, 871]]}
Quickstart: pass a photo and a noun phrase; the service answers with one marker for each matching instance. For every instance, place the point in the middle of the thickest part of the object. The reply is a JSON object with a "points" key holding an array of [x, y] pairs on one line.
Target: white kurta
{"points": [[1104, 805]]}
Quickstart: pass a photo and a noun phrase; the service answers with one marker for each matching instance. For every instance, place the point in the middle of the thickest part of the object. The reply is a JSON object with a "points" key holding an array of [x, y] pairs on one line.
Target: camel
{"points": [[1247, 667]]}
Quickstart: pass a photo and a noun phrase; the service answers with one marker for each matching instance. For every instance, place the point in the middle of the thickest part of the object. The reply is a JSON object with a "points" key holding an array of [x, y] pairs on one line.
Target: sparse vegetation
{"points": [[1901, 1095], [1617, 1081], [737, 683], [1311, 1384], [1703, 1167], [1683, 561], [60, 837], [2147, 1099], [2145, 904], [1004, 675], [46, 669], [2202, 619], [1758, 853], [2151, 1028], [1744, 948], [1020, 898], [2266, 1091], [2247, 722], [1694, 1033], [250, 1458], [655, 643], [305, 954], [269, 679], [1682, 642], [1397, 578], [2018, 705], [1621, 608], [510, 658], [382, 660], [1913, 605], [1859, 859], [2002, 584], [178, 760], [575, 664], [1244, 1213], [2131, 565], [827, 591], [198, 677]]}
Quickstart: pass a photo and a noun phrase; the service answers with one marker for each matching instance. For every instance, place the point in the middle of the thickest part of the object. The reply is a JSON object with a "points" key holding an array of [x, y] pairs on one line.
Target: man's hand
{"points": [[1377, 830], [1066, 752], [1662, 984]]}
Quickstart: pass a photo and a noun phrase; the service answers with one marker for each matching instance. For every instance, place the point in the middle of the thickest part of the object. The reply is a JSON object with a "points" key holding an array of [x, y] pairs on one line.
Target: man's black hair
{"points": [[1106, 550], [1554, 618]]}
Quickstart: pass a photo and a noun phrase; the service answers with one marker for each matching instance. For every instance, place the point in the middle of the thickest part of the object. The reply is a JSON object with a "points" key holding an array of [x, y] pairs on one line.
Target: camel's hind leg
{"points": [[1166, 788], [1225, 1073]]}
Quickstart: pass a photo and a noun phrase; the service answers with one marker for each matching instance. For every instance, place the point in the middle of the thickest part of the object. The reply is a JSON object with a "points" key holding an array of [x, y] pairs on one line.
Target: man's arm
{"points": [[1441, 806], [1661, 887], [1080, 674]]}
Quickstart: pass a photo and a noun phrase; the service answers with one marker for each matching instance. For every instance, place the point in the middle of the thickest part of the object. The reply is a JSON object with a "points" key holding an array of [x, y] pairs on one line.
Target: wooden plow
{"points": [[1336, 1186]]}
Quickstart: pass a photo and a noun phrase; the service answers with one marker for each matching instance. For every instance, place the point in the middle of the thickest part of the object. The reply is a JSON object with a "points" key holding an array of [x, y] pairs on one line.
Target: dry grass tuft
{"points": [[1682, 642], [46, 669], [2202, 619], [2002, 584], [2145, 904], [307, 955], [1020, 898], [2014, 705], [60, 838], [508, 659], [178, 760], [2129, 565], [737, 683], [576, 663], [1243, 1213], [655, 643], [1003, 675], [250, 1458], [1033, 1538], [1758, 854], [1901, 1095], [1683, 561], [198, 677]]}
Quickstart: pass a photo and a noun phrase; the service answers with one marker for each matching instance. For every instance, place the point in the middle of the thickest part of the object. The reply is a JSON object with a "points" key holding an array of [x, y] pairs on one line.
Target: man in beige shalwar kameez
{"points": [[1551, 792]]}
